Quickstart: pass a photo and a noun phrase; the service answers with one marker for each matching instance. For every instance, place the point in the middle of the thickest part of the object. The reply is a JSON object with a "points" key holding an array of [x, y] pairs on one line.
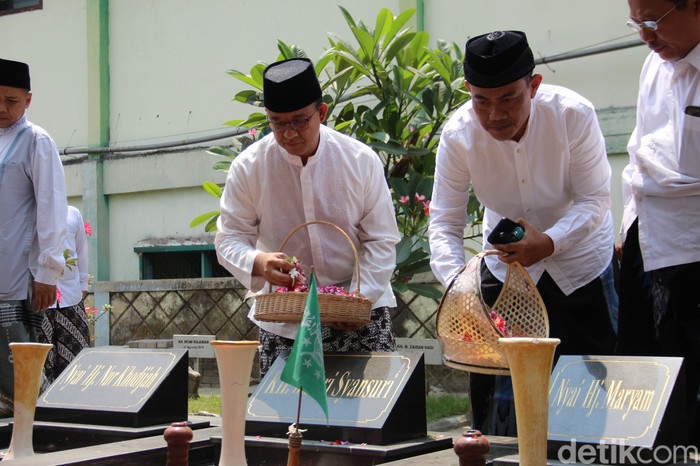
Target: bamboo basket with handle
{"points": [[289, 307], [466, 326]]}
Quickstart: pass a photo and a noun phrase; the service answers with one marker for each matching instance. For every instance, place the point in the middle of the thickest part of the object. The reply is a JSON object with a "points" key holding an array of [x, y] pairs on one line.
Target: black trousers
{"points": [[677, 315], [580, 320], [636, 334], [660, 316]]}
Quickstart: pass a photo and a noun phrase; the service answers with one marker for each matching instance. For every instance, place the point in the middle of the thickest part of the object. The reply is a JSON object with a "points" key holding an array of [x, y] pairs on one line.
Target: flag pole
{"points": [[304, 367], [295, 437]]}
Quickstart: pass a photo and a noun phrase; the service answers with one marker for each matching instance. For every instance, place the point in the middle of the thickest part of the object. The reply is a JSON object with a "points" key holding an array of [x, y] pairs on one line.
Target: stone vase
{"points": [[530, 361], [29, 361], [234, 360]]}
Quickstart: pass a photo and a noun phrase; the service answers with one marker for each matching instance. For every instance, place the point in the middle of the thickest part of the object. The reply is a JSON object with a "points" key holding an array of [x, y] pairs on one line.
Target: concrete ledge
{"points": [[168, 285]]}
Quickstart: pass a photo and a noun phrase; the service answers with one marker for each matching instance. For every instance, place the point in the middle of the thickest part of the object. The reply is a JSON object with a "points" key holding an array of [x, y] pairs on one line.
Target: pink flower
{"points": [[88, 228], [304, 288], [404, 199], [58, 295], [252, 131], [426, 208], [500, 324], [420, 197]]}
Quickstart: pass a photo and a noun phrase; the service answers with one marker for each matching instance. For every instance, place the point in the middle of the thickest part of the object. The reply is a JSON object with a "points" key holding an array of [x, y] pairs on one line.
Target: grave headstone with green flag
{"points": [[376, 398]]}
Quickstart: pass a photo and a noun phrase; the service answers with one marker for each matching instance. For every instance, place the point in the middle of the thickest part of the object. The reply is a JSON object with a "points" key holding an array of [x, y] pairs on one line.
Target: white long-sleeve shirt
{"points": [[32, 209], [74, 279], [661, 184], [557, 177], [269, 192]]}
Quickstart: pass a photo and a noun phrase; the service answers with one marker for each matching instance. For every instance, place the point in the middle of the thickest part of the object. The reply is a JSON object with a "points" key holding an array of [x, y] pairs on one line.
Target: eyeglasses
{"points": [[297, 124], [650, 25]]}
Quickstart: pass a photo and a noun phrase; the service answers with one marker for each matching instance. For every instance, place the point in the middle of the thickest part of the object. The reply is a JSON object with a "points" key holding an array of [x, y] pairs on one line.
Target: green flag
{"points": [[304, 368]]}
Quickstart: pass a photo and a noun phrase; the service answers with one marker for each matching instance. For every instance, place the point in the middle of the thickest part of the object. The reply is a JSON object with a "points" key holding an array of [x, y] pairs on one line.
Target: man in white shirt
{"points": [[533, 153], [303, 172], [661, 185], [32, 220]]}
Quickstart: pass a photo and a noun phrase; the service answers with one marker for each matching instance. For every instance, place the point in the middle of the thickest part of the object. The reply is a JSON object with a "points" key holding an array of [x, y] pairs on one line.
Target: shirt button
{"points": [[523, 181]]}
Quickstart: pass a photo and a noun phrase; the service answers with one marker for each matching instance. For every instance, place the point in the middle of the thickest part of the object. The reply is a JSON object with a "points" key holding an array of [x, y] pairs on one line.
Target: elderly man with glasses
{"points": [[304, 172], [661, 187]]}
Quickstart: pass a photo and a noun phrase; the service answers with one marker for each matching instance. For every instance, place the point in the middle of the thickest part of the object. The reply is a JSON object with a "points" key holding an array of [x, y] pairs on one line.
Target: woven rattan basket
{"points": [[289, 307], [465, 325]]}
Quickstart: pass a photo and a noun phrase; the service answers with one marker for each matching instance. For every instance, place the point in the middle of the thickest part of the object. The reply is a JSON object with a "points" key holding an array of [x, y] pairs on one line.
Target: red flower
{"points": [[426, 208], [88, 228], [404, 199], [58, 296], [500, 324]]}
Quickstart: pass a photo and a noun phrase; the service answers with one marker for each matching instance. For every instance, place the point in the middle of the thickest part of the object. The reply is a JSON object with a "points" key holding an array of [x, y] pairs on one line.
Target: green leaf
{"points": [[246, 79], [420, 266], [212, 188], [365, 41], [221, 166], [439, 66], [400, 21], [354, 61], [248, 96], [398, 45], [399, 287], [382, 25], [389, 148], [425, 289], [222, 151], [211, 224], [348, 18], [419, 152], [403, 249], [203, 218]]}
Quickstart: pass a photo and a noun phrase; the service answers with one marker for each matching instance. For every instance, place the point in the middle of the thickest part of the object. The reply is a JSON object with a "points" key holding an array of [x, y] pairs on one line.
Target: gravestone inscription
{"points": [[610, 404], [120, 387], [376, 398]]}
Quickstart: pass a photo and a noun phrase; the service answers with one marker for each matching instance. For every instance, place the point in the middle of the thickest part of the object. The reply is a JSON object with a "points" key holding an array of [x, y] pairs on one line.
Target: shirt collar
{"points": [[294, 160], [21, 122], [693, 57]]}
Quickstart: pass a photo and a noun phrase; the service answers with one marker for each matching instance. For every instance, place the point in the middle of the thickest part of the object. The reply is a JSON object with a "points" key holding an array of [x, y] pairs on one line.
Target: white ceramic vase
{"points": [[234, 360], [29, 361], [530, 361]]}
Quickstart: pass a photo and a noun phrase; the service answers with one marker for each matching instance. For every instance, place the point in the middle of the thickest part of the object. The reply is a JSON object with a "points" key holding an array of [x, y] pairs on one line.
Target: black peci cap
{"points": [[498, 58], [14, 74], [289, 85]]}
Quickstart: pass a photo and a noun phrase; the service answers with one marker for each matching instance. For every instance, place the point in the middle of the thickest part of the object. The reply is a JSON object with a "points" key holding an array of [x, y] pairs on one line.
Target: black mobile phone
{"points": [[692, 110], [506, 231]]}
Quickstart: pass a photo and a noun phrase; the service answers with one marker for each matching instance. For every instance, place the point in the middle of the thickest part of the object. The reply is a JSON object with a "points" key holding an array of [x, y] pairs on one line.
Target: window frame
{"points": [[207, 263], [38, 5]]}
